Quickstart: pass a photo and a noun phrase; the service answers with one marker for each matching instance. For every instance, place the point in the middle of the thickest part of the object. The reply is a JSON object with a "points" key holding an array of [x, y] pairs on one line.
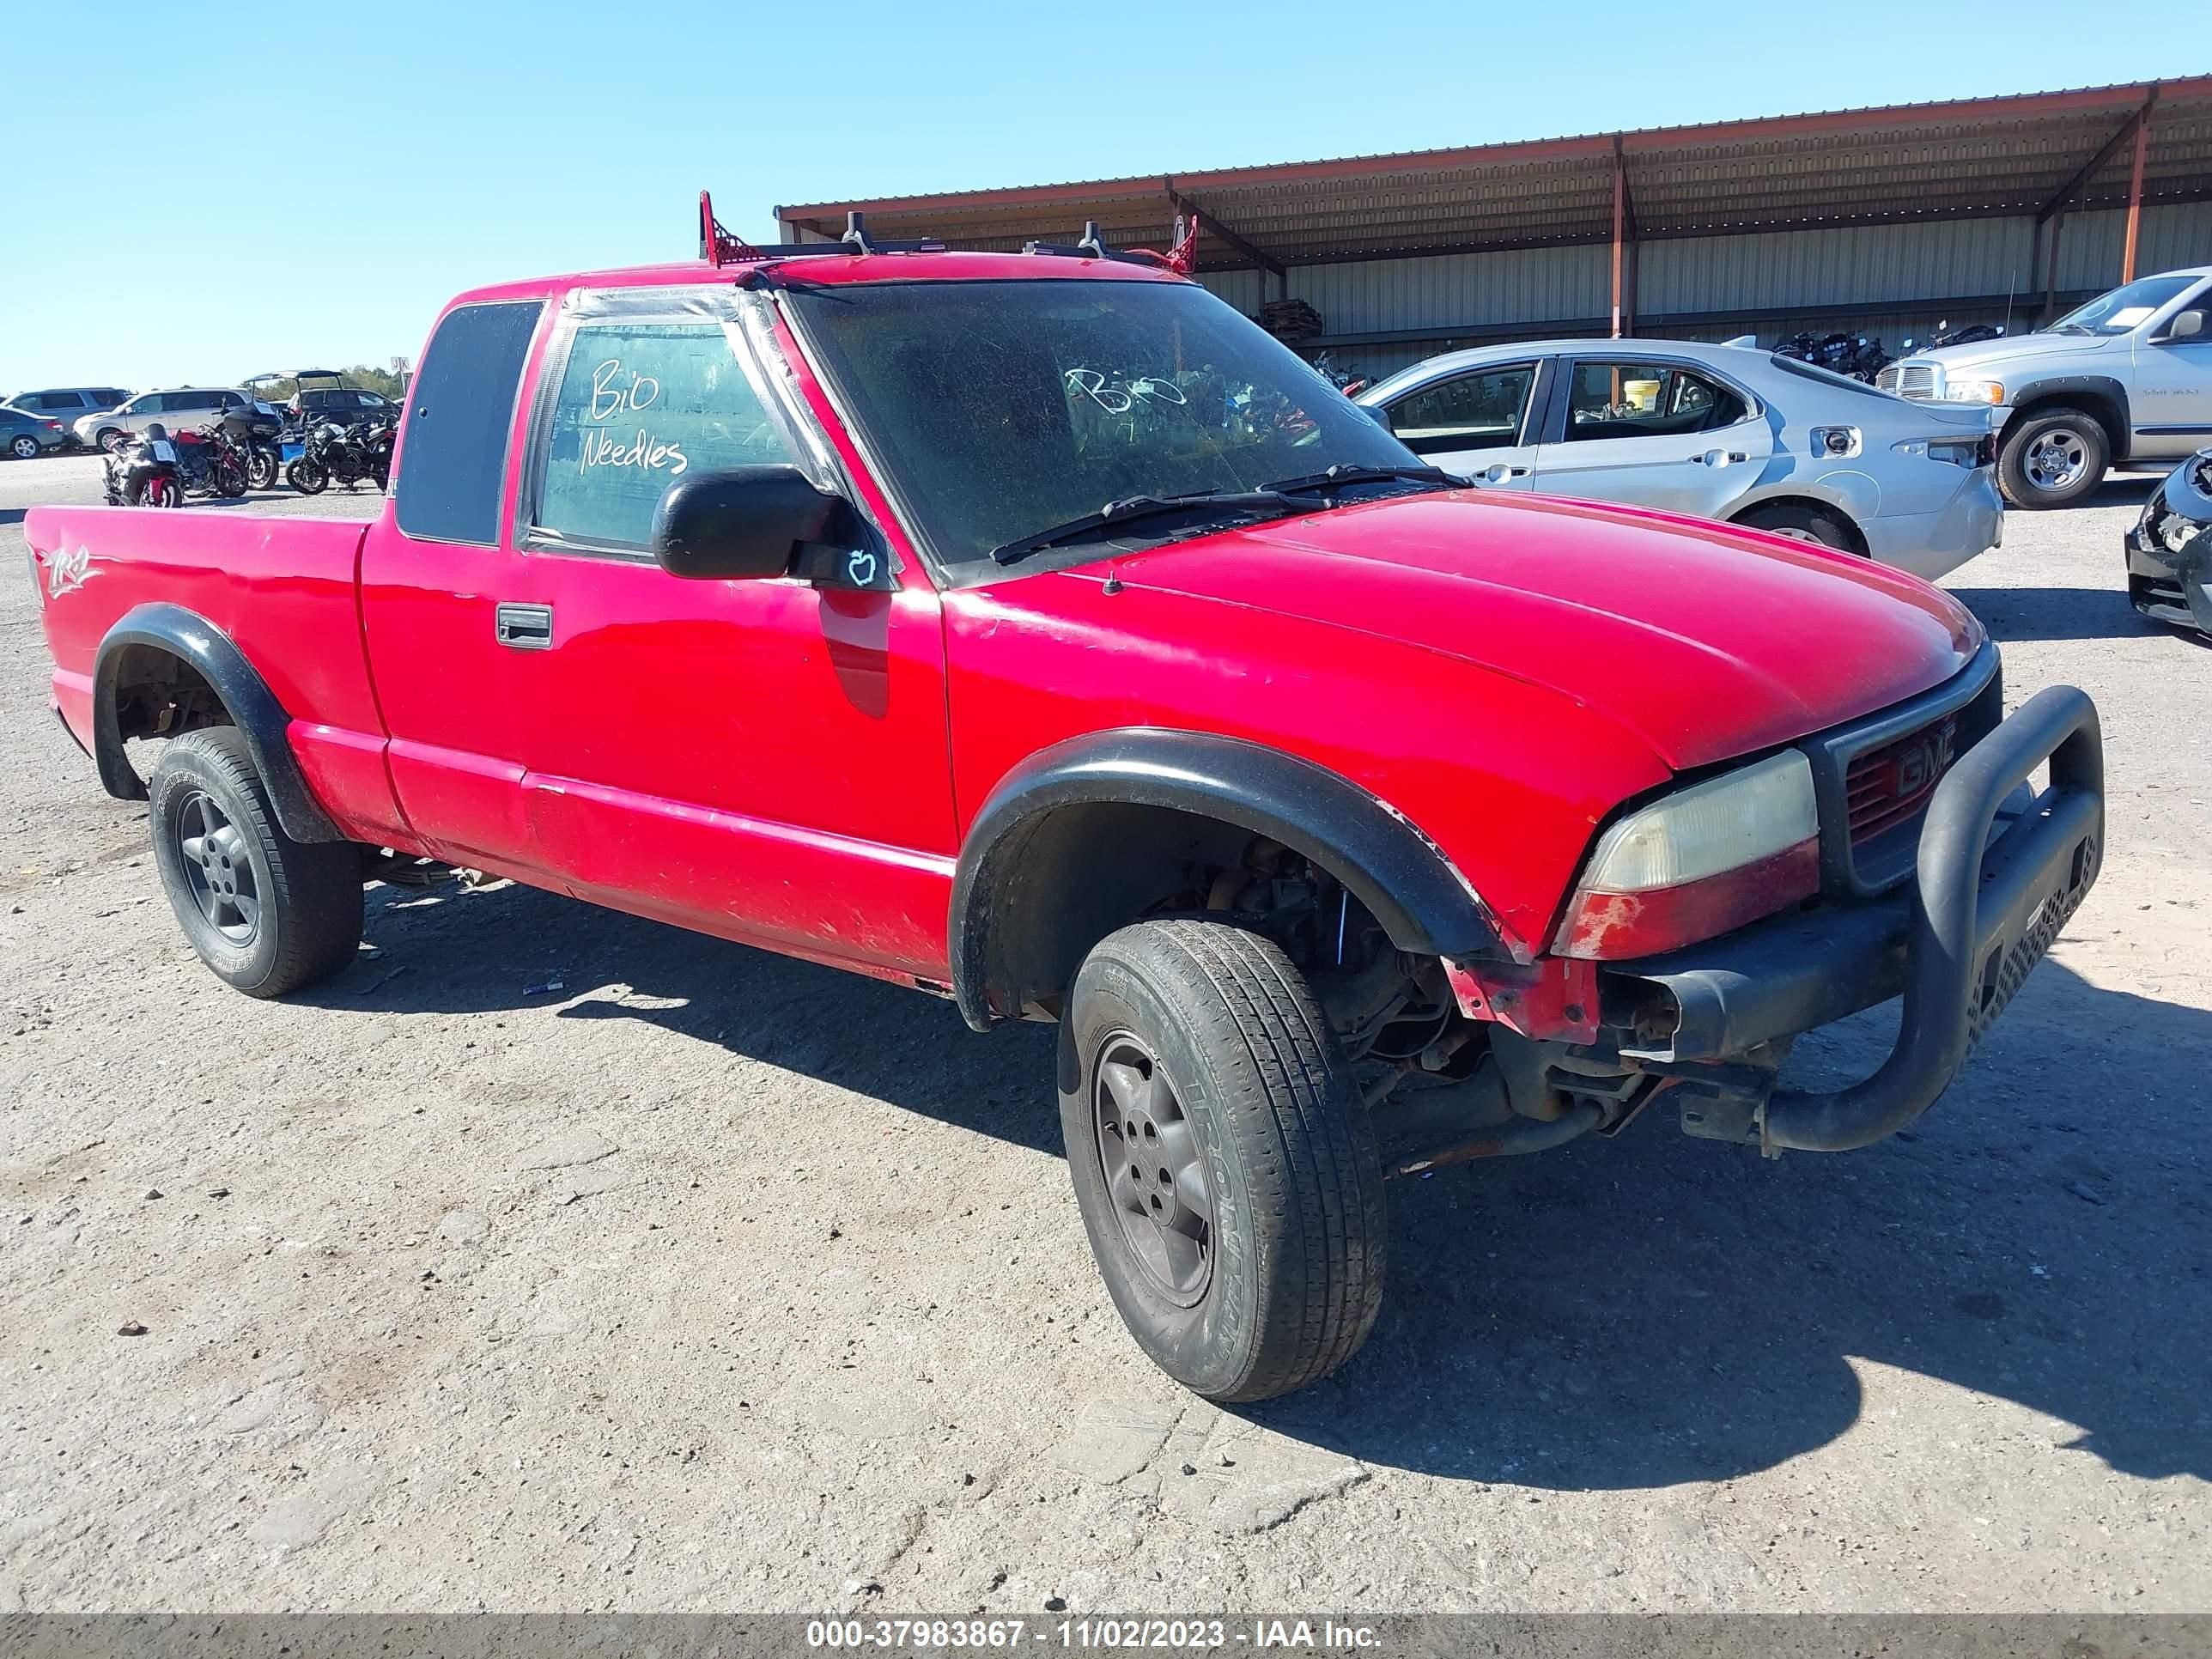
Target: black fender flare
{"points": [[253, 708], [1403, 878], [2100, 388]]}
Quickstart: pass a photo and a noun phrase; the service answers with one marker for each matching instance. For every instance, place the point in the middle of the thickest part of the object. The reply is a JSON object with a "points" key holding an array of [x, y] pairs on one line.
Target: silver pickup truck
{"points": [[2127, 377]]}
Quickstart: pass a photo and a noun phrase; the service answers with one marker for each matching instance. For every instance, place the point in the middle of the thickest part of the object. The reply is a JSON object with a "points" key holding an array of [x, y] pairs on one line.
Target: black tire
{"points": [[294, 909], [1802, 524], [2053, 458], [110, 440], [309, 477], [1248, 1105], [260, 469], [24, 448], [230, 478]]}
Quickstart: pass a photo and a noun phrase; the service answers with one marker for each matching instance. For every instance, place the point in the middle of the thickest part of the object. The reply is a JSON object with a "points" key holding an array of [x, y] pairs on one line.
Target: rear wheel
{"points": [[230, 479], [1802, 524], [268, 914], [111, 440], [24, 448], [2053, 458], [1222, 1158]]}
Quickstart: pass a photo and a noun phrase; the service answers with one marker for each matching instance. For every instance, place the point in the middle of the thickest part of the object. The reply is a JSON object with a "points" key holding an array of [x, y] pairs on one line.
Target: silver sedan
{"points": [[1726, 431]]}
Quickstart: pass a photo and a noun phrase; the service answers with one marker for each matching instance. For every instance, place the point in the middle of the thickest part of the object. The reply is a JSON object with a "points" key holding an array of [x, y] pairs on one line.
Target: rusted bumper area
{"points": [[2000, 869]]}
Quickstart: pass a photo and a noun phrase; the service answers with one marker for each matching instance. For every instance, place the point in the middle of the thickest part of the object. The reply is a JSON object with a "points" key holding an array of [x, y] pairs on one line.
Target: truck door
{"points": [[1474, 424], [2172, 402], [445, 605], [1650, 434], [763, 759]]}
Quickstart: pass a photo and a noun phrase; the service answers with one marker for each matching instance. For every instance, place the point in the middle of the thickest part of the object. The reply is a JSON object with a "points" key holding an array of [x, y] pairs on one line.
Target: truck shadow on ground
{"points": [[2059, 613], [1616, 1315]]}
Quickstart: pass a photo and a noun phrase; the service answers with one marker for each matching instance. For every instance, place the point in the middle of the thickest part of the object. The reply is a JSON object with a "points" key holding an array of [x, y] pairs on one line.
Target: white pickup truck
{"points": [[2127, 377]]}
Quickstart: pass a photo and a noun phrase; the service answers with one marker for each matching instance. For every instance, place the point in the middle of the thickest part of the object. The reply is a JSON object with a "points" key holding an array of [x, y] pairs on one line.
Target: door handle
{"points": [[1499, 472], [1721, 457], [524, 626]]}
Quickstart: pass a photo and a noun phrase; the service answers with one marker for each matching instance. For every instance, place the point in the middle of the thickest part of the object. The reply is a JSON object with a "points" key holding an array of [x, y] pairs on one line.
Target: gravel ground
{"points": [[710, 1280]]}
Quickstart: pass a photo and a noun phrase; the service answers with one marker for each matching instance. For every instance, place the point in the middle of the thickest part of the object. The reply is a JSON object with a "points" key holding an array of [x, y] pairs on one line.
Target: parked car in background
{"points": [[325, 394], [26, 436], [2169, 552], [2127, 377], [68, 405], [1726, 431], [181, 409]]}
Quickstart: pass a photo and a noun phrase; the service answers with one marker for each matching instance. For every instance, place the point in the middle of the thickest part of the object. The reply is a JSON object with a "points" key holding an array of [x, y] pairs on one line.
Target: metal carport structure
{"points": [[2041, 172]]}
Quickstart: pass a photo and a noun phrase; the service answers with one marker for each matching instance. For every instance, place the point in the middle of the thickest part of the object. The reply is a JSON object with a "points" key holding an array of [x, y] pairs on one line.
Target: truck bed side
{"points": [[286, 591]]}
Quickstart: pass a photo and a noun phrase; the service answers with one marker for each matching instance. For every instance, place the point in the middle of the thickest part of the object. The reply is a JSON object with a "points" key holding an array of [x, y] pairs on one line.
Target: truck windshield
{"points": [[1002, 408], [2124, 308]]}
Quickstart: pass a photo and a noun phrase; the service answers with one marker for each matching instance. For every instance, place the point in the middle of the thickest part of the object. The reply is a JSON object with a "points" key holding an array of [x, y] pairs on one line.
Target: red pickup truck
{"points": [[1034, 630]]}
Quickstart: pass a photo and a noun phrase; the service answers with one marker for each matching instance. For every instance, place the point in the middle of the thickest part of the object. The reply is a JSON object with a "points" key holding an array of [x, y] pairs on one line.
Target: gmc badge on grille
{"points": [[1921, 764]]}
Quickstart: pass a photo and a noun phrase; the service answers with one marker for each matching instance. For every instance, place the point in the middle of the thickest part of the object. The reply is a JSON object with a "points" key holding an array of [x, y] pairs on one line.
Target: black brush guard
{"points": [[1956, 944]]}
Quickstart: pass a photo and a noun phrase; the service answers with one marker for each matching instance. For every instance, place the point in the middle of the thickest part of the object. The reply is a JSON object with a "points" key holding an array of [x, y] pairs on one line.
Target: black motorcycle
{"points": [[350, 455], [1855, 356], [144, 471]]}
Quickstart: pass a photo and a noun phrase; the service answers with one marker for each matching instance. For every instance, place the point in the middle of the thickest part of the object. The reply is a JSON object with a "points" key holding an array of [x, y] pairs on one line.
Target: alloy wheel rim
{"points": [[25, 448], [1154, 1169], [2058, 460], [217, 869]]}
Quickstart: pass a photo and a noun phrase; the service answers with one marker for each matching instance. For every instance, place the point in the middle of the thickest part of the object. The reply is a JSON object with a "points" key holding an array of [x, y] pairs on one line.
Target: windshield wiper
{"points": [[1339, 477], [1114, 514]]}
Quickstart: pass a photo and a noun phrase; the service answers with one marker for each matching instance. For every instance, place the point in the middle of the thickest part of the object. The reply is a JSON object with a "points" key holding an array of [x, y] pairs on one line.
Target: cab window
{"points": [[640, 405], [1626, 400], [1482, 411]]}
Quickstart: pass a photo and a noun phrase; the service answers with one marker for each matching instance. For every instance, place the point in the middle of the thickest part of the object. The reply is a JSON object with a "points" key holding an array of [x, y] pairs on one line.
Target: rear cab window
{"points": [[460, 414]]}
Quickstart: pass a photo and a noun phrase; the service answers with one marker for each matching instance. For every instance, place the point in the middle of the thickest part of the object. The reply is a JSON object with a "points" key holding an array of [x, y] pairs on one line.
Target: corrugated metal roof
{"points": [[1904, 162]]}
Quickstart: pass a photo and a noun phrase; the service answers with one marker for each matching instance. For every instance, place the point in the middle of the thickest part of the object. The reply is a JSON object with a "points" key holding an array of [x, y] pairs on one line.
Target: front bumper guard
{"points": [[1956, 946]]}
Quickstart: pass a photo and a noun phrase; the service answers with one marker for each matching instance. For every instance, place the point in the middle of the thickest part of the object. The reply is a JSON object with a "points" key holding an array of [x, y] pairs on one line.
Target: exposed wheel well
{"points": [[159, 694], [1828, 510], [2108, 414]]}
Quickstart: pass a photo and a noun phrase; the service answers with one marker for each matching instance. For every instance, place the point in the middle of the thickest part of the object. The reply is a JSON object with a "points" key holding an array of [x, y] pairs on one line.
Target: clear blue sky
{"points": [[197, 193]]}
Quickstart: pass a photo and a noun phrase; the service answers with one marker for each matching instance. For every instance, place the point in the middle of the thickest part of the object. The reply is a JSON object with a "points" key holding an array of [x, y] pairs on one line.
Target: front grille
{"points": [[1908, 380], [1886, 786]]}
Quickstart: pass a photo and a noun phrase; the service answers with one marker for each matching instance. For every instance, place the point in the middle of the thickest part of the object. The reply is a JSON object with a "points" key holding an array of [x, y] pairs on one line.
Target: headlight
{"points": [[1973, 392], [1697, 863]]}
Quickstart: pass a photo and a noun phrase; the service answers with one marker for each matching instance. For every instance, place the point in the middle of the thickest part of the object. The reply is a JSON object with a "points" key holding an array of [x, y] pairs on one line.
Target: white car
{"points": [[181, 409], [1727, 432]]}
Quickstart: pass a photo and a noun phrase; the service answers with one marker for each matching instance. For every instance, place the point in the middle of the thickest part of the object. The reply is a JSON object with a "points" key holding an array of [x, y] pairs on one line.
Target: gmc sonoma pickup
{"points": [[1034, 630]]}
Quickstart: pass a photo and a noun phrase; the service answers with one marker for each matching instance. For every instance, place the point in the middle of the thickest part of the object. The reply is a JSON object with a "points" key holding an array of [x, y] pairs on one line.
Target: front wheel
{"points": [[2053, 458], [260, 469], [110, 441], [268, 914], [309, 477], [230, 478], [1222, 1158], [24, 448]]}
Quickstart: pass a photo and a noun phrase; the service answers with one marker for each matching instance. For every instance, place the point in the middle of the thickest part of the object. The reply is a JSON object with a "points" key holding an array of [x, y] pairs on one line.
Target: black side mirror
{"points": [[2186, 326], [750, 521]]}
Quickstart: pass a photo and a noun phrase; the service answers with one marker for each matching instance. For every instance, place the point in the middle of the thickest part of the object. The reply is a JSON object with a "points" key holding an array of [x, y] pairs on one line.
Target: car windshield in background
{"points": [[1005, 409], [2124, 308]]}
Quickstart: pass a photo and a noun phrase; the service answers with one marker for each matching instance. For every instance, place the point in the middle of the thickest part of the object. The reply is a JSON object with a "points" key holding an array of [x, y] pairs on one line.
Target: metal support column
{"points": [[2135, 196]]}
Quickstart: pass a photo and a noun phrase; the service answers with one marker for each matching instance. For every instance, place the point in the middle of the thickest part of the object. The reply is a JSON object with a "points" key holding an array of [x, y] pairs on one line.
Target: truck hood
{"points": [[1706, 643], [1992, 354]]}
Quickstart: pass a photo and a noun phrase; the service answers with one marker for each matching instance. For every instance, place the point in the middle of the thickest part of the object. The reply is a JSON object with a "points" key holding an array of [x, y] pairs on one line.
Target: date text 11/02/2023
{"points": [[1099, 1635]]}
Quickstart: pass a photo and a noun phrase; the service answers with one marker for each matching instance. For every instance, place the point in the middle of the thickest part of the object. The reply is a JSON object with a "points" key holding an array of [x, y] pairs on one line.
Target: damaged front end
{"points": [[1996, 868]]}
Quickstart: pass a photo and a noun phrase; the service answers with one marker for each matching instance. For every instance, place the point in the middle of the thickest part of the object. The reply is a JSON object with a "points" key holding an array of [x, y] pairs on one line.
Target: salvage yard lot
{"points": [[709, 1280]]}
